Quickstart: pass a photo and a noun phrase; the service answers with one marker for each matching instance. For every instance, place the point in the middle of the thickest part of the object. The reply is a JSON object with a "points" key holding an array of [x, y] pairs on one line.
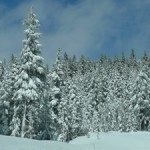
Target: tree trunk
{"points": [[23, 124]]}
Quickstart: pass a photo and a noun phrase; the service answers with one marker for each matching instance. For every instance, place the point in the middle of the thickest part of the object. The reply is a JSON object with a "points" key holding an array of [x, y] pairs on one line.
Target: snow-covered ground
{"points": [[106, 141]]}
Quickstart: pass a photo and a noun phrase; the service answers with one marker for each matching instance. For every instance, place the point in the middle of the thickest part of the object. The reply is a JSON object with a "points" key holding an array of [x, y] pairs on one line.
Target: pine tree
{"points": [[73, 66], [29, 83], [66, 65], [57, 83], [73, 113], [4, 103], [140, 100], [8, 89], [133, 60], [145, 64]]}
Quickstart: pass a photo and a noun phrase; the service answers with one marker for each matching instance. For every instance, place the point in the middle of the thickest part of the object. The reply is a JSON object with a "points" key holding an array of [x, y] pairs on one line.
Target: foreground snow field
{"points": [[106, 141]]}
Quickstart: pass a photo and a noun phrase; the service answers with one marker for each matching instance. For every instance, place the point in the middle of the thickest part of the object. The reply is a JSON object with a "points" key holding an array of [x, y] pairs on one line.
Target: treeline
{"points": [[74, 97]]}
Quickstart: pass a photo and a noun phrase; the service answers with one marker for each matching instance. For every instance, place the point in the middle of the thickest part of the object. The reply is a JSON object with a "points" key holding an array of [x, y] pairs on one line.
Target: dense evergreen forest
{"points": [[73, 97]]}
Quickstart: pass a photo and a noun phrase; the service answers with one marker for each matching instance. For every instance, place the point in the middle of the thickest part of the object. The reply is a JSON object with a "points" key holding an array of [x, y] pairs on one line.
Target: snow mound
{"points": [[105, 141], [115, 141], [14, 143]]}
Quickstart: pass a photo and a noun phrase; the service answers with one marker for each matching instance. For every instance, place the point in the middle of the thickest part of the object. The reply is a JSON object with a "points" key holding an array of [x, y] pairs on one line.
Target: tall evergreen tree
{"points": [[133, 60], [8, 89], [140, 100], [4, 103], [57, 83], [29, 82]]}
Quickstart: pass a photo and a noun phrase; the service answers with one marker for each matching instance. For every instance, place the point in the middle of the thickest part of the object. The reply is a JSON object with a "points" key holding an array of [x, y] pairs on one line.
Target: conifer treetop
{"points": [[59, 52], [31, 21]]}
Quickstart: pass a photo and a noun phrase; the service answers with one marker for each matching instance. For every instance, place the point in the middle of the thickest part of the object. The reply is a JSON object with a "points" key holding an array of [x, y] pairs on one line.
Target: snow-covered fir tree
{"points": [[29, 83], [4, 103], [8, 89], [57, 83], [141, 100]]}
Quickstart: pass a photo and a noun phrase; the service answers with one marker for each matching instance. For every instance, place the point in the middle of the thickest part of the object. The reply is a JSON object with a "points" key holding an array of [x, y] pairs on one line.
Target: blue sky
{"points": [[88, 27]]}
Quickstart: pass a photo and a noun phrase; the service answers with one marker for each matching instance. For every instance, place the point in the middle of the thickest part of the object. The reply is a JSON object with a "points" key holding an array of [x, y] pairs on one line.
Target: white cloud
{"points": [[87, 27], [81, 28]]}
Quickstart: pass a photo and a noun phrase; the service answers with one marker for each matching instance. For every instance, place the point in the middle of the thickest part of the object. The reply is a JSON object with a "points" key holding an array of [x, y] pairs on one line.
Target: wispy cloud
{"points": [[85, 27]]}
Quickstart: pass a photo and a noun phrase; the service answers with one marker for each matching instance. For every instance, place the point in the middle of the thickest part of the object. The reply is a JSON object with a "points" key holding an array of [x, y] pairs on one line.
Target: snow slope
{"points": [[115, 141], [106, 141]]}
